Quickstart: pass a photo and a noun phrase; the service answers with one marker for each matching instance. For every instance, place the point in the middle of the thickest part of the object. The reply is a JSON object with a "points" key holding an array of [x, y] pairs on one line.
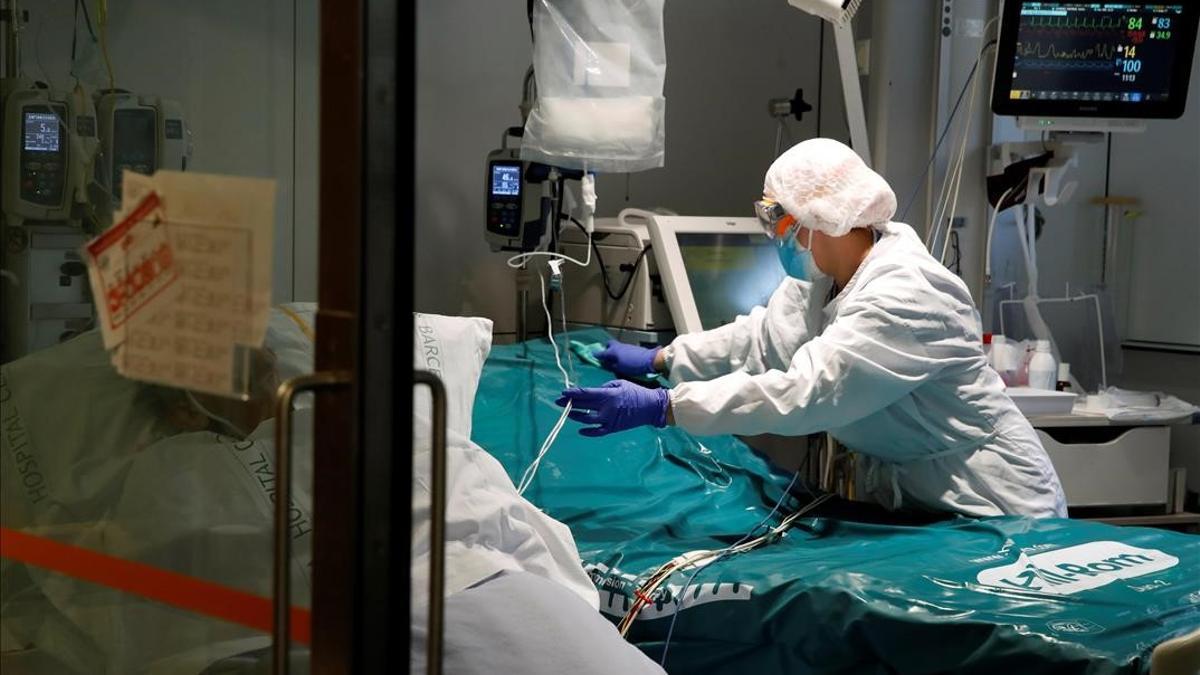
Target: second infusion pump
{"points": [[138, 133]]}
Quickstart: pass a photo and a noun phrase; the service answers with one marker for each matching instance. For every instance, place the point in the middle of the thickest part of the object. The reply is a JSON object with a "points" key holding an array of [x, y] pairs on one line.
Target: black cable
{"points": [[556, 219], [604, 270], [1104, 261], [74, 32], [87, 18], [953, 112], [954, 246], [820, 75], [1108, 164]]}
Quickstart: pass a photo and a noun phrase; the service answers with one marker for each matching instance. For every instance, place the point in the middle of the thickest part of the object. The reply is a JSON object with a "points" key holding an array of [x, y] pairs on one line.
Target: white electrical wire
{"points": [[519, 261], [943, 199], [947, 202], [1025, 239], [962, 155], [952, 182], [935, 222], [952, 206], [550, 332], [531, 470], [952, 198], [521, 258], [991, 232], [562, 311]]}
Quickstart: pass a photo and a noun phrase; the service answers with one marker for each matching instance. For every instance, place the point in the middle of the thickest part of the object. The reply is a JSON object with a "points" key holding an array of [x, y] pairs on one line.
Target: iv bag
{"points": [[599, 68]]}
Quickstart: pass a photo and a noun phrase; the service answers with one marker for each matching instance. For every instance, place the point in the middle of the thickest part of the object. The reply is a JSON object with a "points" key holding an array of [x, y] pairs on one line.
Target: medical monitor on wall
{"points": [[713, 269], [1086, 61]]}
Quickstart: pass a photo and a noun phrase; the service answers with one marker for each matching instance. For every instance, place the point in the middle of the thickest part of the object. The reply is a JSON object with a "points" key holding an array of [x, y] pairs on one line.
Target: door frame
{"points": [[363, 486]]}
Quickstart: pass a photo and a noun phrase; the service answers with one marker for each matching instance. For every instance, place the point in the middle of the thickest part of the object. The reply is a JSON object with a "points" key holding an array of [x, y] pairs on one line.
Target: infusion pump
{"points": [[140, 134], [55, 144], [49, 139], [63, 155]]}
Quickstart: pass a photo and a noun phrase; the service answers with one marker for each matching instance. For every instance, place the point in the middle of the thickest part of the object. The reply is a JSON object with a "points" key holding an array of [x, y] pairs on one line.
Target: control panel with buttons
{"points": [[504, 197]]}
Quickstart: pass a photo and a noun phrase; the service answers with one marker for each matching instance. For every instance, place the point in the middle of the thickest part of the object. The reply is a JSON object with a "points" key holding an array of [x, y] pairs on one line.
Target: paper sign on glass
{"points": [[216, 232]]}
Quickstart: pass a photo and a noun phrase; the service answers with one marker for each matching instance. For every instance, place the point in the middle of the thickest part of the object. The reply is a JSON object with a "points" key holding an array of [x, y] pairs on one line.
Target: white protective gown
{"points": [[892, 367]]}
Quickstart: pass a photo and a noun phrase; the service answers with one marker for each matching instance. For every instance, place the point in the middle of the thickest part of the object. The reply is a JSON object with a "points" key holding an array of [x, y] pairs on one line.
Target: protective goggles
{"points": [[775, 221]]}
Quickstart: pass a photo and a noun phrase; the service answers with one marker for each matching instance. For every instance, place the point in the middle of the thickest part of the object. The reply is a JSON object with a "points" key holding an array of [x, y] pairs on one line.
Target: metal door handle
{"points": [[281, 582], [437, 520]]}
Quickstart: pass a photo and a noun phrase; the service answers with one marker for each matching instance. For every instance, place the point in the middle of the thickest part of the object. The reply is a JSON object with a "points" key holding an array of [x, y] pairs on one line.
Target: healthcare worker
{"points": [[870, 338]]}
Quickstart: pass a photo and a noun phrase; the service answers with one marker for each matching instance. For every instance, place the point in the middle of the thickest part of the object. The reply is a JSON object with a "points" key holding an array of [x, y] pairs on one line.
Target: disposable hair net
{"points": [[599, 68], [828, 188]]}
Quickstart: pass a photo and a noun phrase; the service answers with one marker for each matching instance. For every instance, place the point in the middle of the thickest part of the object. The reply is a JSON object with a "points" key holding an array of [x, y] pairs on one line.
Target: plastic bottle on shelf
{"points": [[1001, 360], [1025, 352], [1043, 371], [1064, 377]]}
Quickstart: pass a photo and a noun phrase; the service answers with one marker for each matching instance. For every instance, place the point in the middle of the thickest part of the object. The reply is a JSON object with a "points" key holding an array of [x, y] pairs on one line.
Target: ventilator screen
{"points": [[729, 274]]}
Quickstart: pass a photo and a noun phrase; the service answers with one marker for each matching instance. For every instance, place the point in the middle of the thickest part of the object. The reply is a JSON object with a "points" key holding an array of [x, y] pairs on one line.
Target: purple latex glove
{"points": [[627, 360], [616, 406]]}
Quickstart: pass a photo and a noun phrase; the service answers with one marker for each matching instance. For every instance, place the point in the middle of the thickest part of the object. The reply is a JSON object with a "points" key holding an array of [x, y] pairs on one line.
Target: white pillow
{"points": [[453, 348], [489, 527]]}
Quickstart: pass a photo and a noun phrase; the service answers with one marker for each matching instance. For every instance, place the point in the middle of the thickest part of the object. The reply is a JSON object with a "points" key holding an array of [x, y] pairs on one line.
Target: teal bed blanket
{"points": [[999, 595]]}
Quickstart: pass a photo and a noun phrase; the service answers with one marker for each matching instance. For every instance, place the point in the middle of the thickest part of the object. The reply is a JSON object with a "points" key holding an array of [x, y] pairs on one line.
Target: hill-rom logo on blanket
{"points": [[1067, 571], [1075, 627]]}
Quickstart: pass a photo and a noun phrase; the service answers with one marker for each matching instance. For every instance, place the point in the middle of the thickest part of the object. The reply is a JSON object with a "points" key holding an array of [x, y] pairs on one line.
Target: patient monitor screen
{"points": [[1096, 51], [729, 274]]}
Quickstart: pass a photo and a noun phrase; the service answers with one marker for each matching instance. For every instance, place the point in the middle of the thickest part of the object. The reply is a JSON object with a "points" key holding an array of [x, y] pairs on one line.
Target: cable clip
{"points": [[555, 274]]}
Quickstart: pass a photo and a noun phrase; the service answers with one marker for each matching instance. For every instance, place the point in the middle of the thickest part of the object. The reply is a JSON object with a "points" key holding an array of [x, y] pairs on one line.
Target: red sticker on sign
{"points": [[132, 264]]}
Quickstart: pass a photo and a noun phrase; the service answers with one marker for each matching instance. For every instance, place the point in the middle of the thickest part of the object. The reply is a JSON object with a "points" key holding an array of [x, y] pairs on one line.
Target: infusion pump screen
{"points": [[41, 132], [506, 180], [1096, 51], [730, 274]]}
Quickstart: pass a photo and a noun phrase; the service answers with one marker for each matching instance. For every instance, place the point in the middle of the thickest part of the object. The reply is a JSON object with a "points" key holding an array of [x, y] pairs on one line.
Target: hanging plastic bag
{"points": [[599, 68]]}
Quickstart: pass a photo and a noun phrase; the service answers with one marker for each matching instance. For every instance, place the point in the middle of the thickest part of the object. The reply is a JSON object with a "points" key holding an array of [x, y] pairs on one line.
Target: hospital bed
{"points": [[991, 595], [827, 597], [117, 478]]}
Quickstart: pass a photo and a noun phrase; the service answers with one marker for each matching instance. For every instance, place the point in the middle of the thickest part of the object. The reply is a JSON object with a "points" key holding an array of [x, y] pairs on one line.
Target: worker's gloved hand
{"points": [[616, 406], [627, 360]]}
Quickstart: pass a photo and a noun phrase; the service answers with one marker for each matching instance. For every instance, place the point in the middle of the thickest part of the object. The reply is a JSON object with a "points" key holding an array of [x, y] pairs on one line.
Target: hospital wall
{"points": [[1162, 169], [246, 76], [1157, 294], [725, 59], [1157, 289]]}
